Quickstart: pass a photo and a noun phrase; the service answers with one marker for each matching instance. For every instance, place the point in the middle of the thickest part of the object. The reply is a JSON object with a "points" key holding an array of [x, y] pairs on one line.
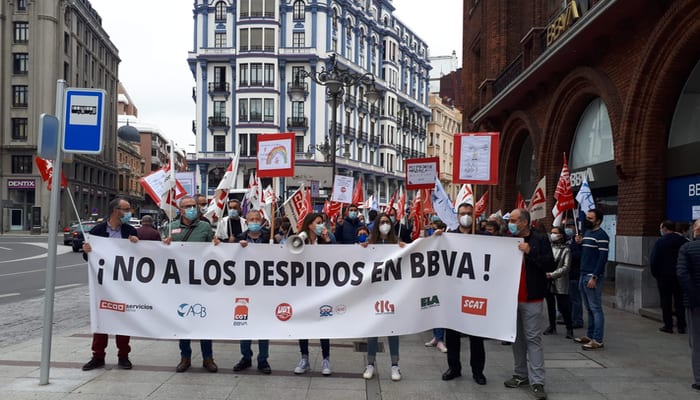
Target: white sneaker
{"points": [[395, 373], [326, 367], [431, 343], [369, 372], [441, 346], [303, 366]]}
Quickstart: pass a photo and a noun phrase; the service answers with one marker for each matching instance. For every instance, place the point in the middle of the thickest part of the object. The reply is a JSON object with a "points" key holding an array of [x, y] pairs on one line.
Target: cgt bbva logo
{"points": [[192, 310], [240, 312], [384, 307], [428, 302], [474, 305]]}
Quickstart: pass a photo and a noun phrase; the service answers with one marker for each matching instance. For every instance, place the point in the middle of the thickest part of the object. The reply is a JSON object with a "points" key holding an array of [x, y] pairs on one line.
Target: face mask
{"points": [[513, 228], [661, 232], [318, 229], [203, 210], [191, 214], [431, 231], [569, 232], [233, 213], [384, 228], [436, 218], [554, 237], [393, 219], [352, 215], [362, 237], [587, 224], [126, 218], [465, 220], [254, 227]]}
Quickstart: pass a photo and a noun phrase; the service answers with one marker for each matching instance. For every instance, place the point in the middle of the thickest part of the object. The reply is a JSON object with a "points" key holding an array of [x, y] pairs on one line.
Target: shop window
{"points": [[593, 142], [686, 119]]}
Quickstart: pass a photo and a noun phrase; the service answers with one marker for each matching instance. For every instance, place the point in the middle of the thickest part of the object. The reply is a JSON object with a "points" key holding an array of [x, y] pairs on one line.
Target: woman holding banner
{"points": [[383, 233], [314, 231]]}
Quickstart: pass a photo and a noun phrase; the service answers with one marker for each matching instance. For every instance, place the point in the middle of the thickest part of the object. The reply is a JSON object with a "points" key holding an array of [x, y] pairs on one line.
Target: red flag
{"points": [[45, 168], [563, 194], [417, 216], [480, 206], [427, 203], [390, 207], [520, 202], [401, 212], [358, 196]]}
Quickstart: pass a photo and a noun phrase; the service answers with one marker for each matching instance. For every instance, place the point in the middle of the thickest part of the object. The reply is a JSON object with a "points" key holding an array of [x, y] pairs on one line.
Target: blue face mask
{"points": [[569, 232], [436, 218], [191, 213], [233, 213], [362, 237], [513, 228], [254, 227], [431, 231], [352, 215], [318, 229], [126, 217]]}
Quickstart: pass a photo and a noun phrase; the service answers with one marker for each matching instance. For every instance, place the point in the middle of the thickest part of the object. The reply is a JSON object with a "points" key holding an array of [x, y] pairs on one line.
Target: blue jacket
{"points": [[688, 270], [594, 252]]}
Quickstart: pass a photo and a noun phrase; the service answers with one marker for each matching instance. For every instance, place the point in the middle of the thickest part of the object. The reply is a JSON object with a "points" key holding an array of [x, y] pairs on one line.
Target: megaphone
{"points": [[295, 243]]}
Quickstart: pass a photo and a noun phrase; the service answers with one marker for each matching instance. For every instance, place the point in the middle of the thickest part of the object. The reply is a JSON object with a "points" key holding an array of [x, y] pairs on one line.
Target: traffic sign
{"points": [[83, 121]]}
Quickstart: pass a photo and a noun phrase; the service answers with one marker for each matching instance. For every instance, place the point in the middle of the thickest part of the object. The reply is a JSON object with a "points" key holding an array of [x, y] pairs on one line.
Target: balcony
{"points": [[374, 140], [362, 136], [349, 131], [297, 122], [218, 122], [509, 74], [364, 106], [219, 89], [298, 90], [338, 129]]}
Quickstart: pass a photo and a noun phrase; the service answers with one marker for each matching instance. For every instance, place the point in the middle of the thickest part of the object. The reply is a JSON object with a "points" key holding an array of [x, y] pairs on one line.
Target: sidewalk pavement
{"points": [[638, 362]]}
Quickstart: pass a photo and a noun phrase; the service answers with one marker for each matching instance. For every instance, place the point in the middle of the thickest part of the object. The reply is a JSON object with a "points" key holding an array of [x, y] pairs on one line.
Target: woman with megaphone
{"points": [[383, 233], [313, 231]]}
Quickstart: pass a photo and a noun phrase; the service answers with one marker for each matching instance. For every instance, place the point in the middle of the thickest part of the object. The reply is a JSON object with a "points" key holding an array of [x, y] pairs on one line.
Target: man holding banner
{"points": [[538, 259]]}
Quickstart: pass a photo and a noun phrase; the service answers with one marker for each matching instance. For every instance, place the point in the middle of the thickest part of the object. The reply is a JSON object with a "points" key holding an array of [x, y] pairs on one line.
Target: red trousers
{"points": [[99, 344]]}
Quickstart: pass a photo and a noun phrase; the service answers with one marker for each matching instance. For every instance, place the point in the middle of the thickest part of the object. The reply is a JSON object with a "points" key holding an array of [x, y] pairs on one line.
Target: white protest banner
{"points": [[476, 158], [422, 172], [197, 290], [342, 189]]}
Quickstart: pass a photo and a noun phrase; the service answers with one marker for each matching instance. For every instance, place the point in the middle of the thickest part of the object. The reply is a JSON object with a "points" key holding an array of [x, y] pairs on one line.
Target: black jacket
{"points": [[346, 233], [101, 230], [688, 270], [538, 262], [664, 255]]}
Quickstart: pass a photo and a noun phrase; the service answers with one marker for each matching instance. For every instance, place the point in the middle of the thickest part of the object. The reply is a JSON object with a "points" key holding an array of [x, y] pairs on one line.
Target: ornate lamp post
{"points": [[335, 81]]}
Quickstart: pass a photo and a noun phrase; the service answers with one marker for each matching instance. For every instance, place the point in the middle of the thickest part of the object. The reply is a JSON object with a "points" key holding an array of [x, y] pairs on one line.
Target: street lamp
{"points": [[335, 81]]}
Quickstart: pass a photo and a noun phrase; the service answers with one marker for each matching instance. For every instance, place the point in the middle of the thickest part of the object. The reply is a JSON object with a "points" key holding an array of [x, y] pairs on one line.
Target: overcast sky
{"points": [[154, 37]]}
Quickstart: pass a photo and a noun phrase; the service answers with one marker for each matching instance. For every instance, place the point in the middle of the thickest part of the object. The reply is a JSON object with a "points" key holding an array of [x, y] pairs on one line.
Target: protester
{"points": [[232, 224], [594, 255], [558, 293], [688, 270], [189, 228], [117, 227], [662, 260], [317, 233], [453, 339], [147, 231], [362, 234], [574, 276], [202, 204], [383, 233], [346, 227], [528, 353], [256, 235]]}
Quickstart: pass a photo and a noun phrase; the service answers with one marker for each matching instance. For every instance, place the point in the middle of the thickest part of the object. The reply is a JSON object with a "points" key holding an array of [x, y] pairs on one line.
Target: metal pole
{"points": [[53, 233], [334, 133]]}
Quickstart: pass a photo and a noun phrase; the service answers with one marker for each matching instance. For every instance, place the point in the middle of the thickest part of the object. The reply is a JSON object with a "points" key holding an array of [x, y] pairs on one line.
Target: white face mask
{"points": [[384, 229], [554, 237], [465, 220]]}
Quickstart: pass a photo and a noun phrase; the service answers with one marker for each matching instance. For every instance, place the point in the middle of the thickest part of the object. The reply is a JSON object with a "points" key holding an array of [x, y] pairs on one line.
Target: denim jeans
{"points": [[263, 349], [325, 347], [575, 300], [372, 344], [186, 349], [439, 334], [592, 300]]}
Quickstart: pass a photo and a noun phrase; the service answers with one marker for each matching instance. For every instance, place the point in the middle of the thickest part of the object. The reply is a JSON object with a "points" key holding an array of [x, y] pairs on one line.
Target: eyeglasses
{"points": [[189, 206], [203, 204], [124, 208]]}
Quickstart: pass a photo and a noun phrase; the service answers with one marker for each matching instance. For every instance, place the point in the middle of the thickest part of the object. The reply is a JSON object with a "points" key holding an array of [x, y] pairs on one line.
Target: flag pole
{"points": [[80, 223], [173, 190], [272, 213]]}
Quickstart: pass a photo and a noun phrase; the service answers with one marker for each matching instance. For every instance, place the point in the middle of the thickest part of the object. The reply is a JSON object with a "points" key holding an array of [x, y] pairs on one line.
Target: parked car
{"points": [[68, 233], [77, 235]]}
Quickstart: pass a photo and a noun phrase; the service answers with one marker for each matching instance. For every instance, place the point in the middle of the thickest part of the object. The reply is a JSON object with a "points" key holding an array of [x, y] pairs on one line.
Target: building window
{"points": [[21, 32], [219, 143], [245, 9], [243, 143], [220, 78], [19, 95], [256, 40], [20, 63], [256, 8], [593, 142], [298, 39], [297, 110], [243, 110], [220, 39], [243, 35], [256, 110], [270, 8], [21, 5], [219, 109], [269, 75], [21, 164], [243, 74], [269, 110], [269, 39], [256, 74], [299, 144], [19, 129], [299, 13], [249, 144], [220, 12]]}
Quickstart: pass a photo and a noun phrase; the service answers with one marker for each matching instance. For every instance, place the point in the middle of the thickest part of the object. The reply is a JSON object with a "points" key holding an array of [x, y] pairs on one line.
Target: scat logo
{"points": [[474, 305], [283, 312]]}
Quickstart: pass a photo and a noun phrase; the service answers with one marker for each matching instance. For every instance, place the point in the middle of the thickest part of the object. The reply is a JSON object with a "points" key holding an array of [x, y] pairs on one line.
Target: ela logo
{"points": [[428, 302], [384, 307], [474, 305]]}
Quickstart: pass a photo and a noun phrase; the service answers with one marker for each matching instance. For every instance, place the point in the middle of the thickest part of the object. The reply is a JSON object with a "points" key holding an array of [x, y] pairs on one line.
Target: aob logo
{"points": [[193, 310]]}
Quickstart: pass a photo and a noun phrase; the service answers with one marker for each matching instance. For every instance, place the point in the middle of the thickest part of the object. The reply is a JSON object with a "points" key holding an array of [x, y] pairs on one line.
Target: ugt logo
{"points": [[194, 310], [384, 307], [427, 302]]}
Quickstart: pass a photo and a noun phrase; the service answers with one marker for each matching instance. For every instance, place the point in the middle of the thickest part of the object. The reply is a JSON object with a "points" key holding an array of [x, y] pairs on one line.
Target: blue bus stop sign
{"points": [[83, 121]]}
